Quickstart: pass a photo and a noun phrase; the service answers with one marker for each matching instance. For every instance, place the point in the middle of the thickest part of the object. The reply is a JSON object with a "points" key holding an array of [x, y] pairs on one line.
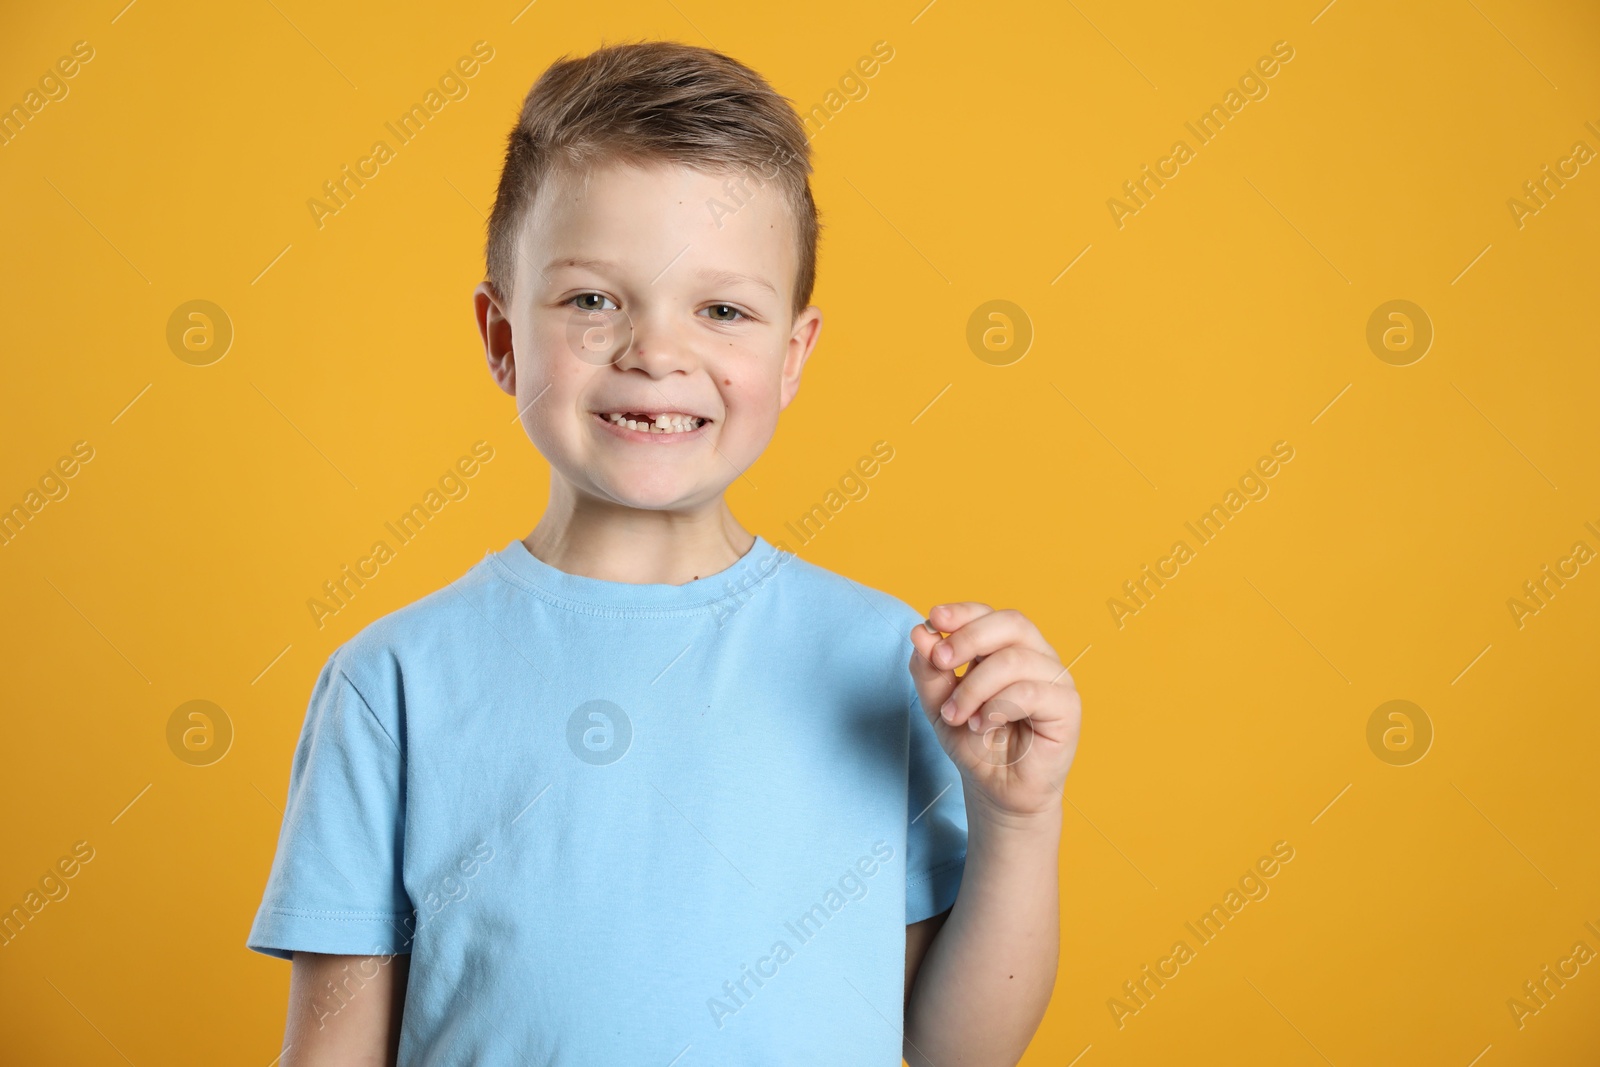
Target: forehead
{"points": [[647, 218]]}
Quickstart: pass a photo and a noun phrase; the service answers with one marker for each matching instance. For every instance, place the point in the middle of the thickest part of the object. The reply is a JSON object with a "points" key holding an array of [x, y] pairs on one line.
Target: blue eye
{"points": [[580, 302], [735, 313]]}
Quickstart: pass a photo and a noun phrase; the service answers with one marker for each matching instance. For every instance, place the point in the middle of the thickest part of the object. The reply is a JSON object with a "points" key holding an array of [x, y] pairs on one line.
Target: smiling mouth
{"points": [[662, 422]]}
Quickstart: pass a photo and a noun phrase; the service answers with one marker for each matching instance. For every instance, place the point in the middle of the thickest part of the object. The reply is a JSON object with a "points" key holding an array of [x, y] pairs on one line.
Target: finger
{"points": [[1012, 664], [933, 685], [923, 642], [949, 617], [955, 614], [1050, 712], [1012, 703], [988, 633]]}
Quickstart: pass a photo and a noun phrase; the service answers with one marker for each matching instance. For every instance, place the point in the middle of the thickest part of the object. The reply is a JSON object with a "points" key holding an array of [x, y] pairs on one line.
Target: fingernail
{"points": [[949, 710], [973, 724], [942, 654], [931, 628]]}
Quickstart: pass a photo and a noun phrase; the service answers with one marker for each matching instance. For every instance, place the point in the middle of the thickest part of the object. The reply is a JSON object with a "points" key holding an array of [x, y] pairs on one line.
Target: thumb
{"points": [[934, 686]]}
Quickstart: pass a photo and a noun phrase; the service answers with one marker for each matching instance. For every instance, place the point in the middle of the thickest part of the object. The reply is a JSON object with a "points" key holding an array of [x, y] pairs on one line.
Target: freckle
{"points": [[727, 381]]}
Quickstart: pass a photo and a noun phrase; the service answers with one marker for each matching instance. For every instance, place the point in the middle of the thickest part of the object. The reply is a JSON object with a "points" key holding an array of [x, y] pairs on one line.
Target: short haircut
{"points": [[654, 102]]}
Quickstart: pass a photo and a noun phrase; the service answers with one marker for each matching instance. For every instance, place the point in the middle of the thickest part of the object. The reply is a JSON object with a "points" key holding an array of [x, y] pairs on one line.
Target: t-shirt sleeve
{"points": [[335, 884], [936, 831]]}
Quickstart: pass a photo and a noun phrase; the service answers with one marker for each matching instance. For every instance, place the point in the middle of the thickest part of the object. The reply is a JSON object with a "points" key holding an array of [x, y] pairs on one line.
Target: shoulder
{"points": [[375, 659], [852, 611]]}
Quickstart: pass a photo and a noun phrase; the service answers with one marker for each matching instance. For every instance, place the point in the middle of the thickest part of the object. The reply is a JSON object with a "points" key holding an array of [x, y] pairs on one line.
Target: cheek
{"points": [[755, 398], [546, 362], [545, 348], [551, 381], [741, 369]]}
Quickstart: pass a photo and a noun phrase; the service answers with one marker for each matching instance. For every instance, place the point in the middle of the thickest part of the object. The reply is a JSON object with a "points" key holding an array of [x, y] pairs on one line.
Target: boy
{"points": [[643, 788]]}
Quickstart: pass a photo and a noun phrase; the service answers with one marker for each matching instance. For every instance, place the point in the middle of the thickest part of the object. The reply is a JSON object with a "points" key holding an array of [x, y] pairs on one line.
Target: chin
{"points": [[651, 496]]}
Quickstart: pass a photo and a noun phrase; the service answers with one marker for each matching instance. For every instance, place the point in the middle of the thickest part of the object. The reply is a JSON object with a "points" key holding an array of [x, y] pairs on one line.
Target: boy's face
{"points": [[627, 302]]}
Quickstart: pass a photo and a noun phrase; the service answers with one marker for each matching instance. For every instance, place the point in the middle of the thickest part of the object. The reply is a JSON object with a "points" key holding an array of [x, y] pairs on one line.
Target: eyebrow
{"points": [[716, 277], [733, 277]]}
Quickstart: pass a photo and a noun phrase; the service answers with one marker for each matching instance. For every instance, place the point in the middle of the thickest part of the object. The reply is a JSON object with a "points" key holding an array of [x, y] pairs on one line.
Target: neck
{"points": [[600, 539]]}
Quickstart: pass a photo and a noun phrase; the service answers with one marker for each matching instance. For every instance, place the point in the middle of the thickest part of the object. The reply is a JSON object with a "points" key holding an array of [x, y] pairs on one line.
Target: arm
{"points": [[344, 1011], [918, 937], [1010, 725], [986, 977]]}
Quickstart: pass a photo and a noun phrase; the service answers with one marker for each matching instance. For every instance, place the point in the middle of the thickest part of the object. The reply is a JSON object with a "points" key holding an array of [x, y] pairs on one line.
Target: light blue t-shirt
{"points": [[624, 824]]}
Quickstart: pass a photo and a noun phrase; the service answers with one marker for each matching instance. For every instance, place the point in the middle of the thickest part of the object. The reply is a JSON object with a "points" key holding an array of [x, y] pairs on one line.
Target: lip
{"points": [[646, 437]]}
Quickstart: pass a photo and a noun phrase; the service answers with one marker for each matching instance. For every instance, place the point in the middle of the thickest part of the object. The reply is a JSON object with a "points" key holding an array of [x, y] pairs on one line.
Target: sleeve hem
{"points": [[281, 932], [934, 891]]}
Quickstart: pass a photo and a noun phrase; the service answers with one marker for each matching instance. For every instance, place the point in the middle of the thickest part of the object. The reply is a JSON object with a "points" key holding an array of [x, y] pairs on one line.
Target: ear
{"points": [[495, 328], [802, 339]]}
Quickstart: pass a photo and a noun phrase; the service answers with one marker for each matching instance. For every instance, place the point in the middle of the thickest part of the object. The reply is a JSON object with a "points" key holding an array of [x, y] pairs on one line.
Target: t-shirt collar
{"points": [[738, 580]]}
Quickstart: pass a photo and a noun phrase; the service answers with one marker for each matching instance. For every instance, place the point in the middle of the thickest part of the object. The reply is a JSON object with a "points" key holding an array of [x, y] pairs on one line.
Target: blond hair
{"points": [[651, 102]]}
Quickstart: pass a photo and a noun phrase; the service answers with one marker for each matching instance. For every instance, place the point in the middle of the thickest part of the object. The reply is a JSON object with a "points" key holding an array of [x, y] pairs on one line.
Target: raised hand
{"points": [[1010, 722]]}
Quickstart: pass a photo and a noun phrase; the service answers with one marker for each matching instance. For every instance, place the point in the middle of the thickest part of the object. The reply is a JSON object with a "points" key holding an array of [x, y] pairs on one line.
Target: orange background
{"points": [[1230, 312]]}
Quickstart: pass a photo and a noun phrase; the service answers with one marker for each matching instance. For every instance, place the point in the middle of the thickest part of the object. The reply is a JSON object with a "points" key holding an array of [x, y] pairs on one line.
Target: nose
{"points": [[658, 346]]}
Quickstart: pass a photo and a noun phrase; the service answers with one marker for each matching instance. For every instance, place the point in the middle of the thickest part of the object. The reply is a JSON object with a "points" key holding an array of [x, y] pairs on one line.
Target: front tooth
{"points": [[663, 423]]}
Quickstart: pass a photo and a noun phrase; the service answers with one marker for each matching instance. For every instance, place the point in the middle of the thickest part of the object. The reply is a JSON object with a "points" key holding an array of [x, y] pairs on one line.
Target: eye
{"points": [[583, 302], [725, 313]]}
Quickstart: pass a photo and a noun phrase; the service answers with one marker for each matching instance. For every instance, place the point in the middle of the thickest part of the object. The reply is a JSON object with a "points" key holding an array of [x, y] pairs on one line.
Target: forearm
{"points": [[987, 977], [344, 1010]]}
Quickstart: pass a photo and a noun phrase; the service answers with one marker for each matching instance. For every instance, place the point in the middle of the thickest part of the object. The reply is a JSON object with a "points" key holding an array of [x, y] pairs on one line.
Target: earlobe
{"points": [[504, 370]]}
